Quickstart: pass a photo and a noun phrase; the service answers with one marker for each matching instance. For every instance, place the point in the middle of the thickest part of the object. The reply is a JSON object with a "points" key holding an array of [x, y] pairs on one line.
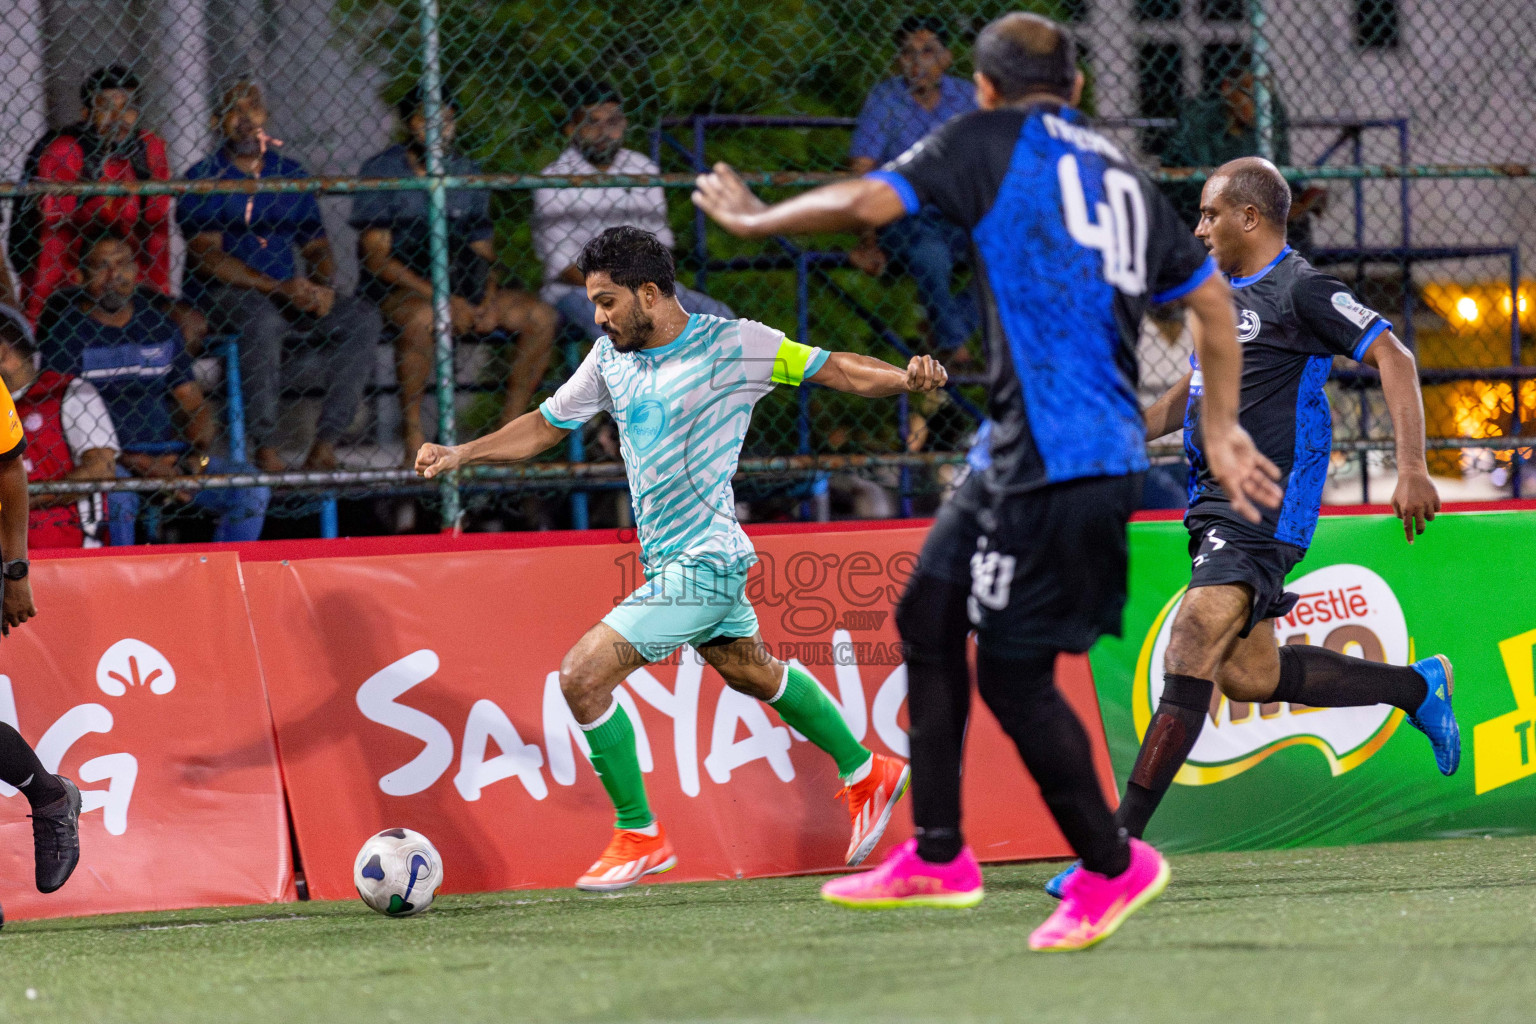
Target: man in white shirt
{"points": [[70, 436], [565, 219]]}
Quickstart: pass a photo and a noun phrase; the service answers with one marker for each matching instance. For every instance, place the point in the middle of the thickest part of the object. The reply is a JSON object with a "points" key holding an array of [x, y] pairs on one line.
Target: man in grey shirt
{"points": [[394, 244], [565, 219]]}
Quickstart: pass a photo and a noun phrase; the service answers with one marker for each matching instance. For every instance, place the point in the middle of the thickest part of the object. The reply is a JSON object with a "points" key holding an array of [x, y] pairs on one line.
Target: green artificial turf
{"points": [[1415, 932]]}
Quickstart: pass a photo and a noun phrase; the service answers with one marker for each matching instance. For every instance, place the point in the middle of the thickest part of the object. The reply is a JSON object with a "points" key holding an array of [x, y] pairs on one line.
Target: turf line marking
{"points": [[220, 924]]}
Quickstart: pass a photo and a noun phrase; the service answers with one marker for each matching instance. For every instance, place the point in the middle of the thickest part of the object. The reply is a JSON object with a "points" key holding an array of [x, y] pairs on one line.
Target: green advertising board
{"points": [[1281, 775]]}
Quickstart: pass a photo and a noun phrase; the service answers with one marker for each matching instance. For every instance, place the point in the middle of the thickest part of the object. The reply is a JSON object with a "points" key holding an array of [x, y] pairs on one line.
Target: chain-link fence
{"points": [[269, 246]]}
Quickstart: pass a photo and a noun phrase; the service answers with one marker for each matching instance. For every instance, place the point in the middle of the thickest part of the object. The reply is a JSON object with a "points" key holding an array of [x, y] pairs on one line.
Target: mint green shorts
{"points": [[684, 604]]}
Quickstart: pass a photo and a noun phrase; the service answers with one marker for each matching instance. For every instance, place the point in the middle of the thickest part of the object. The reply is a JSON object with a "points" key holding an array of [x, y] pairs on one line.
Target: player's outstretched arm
{"points": [[1415, 500], [1166, 415], [876, 378], [523, 438], [841, 206], [1237, 464]]}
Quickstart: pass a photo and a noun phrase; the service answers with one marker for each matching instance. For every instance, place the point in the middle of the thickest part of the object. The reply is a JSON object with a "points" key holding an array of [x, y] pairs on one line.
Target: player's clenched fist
{"points": [[434, 459], [925, 373]]}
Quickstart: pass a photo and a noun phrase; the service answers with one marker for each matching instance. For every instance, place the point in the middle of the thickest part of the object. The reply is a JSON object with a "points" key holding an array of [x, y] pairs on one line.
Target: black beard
{"points": [[244, 147], [598, 157], [637, 333], [113, 301]]}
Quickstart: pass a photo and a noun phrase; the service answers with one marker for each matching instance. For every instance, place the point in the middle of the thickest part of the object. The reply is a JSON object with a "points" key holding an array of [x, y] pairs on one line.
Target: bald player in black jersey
{"points": [[1292, 320], [1071, 242]]}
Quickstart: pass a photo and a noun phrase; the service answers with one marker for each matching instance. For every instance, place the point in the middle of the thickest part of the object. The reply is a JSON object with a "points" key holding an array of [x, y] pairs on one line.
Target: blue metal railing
{"points": [[227, 348]]}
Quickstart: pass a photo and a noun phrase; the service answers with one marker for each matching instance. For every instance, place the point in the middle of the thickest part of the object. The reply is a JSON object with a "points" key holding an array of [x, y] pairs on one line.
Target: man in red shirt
{"points": [[70, 436], [107, 144]]}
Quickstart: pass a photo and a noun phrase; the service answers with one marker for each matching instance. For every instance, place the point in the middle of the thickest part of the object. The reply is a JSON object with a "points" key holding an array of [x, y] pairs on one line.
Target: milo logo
{"points": [[1345, 608]]}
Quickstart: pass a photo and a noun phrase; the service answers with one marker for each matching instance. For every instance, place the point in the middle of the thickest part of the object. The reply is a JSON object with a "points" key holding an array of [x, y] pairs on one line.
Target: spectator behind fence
{"points": [[69, 437], [136, 358], [395, 252], [565, 219], [899, 112], [243, 272], [1222, 127], [106, 144]]}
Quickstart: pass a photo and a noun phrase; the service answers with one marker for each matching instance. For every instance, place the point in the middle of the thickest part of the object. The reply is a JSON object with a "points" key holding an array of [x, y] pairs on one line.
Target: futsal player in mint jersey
{"points": [[681, 389], [1070, 243], [1293, 321]]}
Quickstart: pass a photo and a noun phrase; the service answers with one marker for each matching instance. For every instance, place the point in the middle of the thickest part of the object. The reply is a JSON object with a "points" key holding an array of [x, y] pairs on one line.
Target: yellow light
{"points": [[1522, 302], [1466, 306]]}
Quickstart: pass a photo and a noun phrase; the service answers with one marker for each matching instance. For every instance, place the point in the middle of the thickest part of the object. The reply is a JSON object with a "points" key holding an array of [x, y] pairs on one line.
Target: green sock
{"points": [[612, 739], [806, 708]]}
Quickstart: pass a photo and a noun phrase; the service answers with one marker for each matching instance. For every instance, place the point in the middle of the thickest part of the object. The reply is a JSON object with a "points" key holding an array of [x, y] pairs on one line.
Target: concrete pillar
{"points": [[24, 114], [183, 89]]}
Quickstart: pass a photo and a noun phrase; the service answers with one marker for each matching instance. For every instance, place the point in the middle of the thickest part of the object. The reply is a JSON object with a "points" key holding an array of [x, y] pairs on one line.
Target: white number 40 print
{"points": [[1118, 228]]}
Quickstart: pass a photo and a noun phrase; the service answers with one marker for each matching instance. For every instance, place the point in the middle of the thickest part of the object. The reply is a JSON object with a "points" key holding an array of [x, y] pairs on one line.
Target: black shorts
{"points": [[1046, 568], [951, 541], [1225, 551]]}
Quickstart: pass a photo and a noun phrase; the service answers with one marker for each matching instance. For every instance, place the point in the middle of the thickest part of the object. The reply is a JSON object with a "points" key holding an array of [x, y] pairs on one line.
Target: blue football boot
{"points": [[1434, 717], [1057, 885]]}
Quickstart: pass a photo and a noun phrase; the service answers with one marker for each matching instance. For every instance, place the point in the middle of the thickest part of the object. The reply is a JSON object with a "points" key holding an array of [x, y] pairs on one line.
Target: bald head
{"points": [[1254, 181], [1025, 53]]}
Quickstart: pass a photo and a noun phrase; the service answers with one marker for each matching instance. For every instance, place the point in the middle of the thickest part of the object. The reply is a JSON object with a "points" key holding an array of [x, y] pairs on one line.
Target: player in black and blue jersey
{"points": [[1293, 320], [1070, 243]]}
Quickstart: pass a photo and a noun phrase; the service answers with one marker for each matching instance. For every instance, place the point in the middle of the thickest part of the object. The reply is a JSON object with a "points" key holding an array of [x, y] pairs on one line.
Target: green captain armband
{"points": [[795, 362]]}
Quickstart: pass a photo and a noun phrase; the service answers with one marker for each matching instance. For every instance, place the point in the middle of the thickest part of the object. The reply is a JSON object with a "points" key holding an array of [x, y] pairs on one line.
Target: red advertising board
{"points": [[139, 680], [421, 690]]}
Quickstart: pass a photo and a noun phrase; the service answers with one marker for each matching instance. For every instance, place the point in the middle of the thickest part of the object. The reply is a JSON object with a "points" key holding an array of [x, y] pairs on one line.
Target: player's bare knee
{"points": [[1201, 635], [1191, 652]]}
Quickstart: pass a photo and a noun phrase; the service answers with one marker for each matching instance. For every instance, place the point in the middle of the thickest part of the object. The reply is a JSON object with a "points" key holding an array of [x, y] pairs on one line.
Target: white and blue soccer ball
{"points": [[398, 872]]}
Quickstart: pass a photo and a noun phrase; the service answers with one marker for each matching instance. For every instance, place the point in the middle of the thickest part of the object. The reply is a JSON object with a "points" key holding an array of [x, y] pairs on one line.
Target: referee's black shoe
{"points": [[56, 838]]}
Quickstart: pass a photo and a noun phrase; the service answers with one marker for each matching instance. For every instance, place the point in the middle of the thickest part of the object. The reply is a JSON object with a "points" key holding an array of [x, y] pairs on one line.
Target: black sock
{"points": [[1170, 737], [20, 767], [1321, 678], [933, 625], [1022, 694]]}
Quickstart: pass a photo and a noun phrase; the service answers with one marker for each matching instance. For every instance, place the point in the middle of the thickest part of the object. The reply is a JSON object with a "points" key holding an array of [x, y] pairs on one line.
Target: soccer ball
{"points": [[397, 872]]}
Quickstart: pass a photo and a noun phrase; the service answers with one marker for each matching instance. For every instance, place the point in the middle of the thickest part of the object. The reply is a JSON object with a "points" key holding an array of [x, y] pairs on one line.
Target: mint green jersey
{"points": [[683, 410]]}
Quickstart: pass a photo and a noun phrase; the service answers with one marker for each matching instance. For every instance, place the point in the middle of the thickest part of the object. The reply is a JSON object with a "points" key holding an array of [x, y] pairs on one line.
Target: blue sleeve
{"points": [[909, 200], [1375, 331], [1194, 281], [867, 141], [949, 169]]}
